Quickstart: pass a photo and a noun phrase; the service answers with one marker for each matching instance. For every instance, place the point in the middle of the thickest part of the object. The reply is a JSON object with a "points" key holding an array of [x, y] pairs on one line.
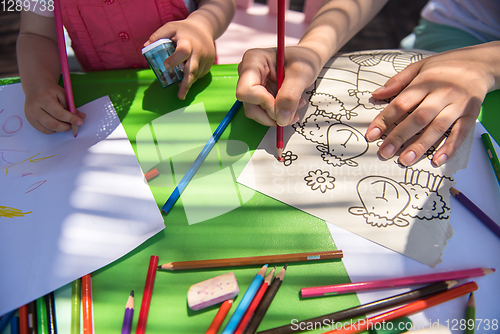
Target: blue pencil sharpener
{"points": [[156, 53]]}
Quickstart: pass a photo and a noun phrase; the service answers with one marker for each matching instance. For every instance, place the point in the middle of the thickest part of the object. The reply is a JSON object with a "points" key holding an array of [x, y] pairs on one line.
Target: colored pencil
{"points": [[393, 282], [23, 319], [41, 316], [63, 57], [255, 302], [253, 260], [494, 227], [219, 317], [280, 70], [129, 314], [14, 325], [492, 154], [88, 326], [199, 159], [4, 319], [32, 325], [76, 303], [409, 309], [266, 301], [470, 315], [356, 311], [146, 296], [245, 302], [51, 313]]}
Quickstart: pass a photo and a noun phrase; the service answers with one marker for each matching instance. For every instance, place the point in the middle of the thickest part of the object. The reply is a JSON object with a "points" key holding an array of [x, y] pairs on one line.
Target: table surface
{"points": [[260, 226]]}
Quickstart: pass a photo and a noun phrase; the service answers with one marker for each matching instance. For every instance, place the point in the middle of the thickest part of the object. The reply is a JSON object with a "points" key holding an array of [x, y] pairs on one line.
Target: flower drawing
{"points": [[320, 180], [288, 157]]}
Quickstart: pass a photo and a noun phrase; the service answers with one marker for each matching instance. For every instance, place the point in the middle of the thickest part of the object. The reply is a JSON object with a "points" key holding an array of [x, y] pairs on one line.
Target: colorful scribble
{"points": [[35, 186], [30, 159], [8, 212]]}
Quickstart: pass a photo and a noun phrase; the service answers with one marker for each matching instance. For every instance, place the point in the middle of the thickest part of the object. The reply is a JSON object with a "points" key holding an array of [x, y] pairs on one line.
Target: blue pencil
{"points": [[199, 159], [245, 302], [4, 319]]}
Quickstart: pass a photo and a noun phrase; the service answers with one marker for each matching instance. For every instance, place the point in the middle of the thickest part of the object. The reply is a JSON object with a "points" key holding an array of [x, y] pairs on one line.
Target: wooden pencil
{"points": [[266, 301], [88, 326], [51, 313], [23, 319], [253, 260], [280, 70], [146, 296], [483, 217], [41, 316], [32, 325], [129, 314], [76, 305], [470, 315], [356, 311], [255, 302], [406, 310], [63, 58], [492, 154], [219, 317]]}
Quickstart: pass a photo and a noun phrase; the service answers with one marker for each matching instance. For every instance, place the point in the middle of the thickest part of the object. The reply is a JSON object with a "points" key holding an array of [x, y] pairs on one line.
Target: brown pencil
{"points": [[245, 261]]}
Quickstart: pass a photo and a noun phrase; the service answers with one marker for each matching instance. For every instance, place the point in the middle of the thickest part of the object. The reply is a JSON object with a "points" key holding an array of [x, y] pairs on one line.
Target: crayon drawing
{"points": [[68, 206], [338, 176]]}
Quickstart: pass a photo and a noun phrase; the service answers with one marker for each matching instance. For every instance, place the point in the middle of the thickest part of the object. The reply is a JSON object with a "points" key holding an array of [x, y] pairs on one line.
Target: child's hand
{"points": [[257, 84], [44, 109], [194, 46], [446, 89]]}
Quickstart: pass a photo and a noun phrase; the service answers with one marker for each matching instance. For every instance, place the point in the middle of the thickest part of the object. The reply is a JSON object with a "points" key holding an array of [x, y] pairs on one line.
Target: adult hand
{"points": [[441, 91], [257, 84]]}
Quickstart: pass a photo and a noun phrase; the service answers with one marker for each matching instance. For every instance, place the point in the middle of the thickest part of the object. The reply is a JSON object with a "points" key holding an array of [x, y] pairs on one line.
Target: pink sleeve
{"points": [[40, 7]]}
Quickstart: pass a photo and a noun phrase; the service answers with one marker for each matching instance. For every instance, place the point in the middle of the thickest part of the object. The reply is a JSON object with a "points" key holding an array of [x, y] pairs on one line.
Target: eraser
{"points": [[212, 291], [152, 173]]}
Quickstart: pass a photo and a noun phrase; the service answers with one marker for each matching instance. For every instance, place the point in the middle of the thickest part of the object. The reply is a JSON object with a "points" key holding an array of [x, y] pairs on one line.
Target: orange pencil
{"points": [[88, 326], [408, 309], [146, 296], [219, 317], [255, 302]]}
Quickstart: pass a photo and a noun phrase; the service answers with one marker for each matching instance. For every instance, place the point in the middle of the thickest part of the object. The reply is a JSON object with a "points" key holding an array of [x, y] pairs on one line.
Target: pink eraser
{"points": [[212, 291]]}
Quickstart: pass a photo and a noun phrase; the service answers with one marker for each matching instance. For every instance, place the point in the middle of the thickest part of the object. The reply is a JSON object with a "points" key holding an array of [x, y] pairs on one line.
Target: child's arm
{"points": [[336, 22], [39, 69], [446, 89], [194, 38]]}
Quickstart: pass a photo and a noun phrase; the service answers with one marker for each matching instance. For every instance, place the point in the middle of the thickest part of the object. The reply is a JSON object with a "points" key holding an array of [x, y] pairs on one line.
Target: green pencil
{"points": [[470, 315], [492, 155], [41, 315], [76, 300]]}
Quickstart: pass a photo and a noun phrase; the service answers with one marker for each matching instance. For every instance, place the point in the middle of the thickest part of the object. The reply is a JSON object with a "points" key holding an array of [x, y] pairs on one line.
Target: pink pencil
{"points": [[280, 70], [393, 282], [63, 57]]}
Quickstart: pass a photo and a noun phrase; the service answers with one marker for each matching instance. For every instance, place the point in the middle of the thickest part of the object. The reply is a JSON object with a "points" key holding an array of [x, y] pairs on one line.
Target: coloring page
{"points": [[332, 172]]}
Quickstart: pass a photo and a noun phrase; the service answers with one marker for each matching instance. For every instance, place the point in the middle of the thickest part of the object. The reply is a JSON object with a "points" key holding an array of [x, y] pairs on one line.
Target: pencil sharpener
{"points": [[156, 53]]}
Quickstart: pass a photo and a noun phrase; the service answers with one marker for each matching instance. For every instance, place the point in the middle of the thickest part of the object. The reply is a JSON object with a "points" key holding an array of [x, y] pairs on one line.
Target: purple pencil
{"points": [[129, 314], [476, 211]]}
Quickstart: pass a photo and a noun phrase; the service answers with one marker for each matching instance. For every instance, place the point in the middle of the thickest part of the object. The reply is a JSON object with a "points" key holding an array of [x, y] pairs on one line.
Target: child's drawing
{"points": [[340, 177], [288, 158], [8, 212]]}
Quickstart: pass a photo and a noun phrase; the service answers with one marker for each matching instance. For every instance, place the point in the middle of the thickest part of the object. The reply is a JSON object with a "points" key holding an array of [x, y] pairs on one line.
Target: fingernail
{"points": [[302, 102], [379, 90], [283, 118], [146, 44], [407, 158], [441, 159], [79, 122], [373, 134], [387, 151]]}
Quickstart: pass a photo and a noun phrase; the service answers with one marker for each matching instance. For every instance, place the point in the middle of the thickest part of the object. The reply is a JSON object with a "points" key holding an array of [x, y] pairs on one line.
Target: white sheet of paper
{"points": [[68, 206], [473, 245], [332, 172]]}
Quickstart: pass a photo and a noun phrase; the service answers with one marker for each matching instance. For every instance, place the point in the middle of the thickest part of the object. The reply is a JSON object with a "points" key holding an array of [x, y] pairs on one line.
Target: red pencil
{"points": [[63, 58], [88, 327], [255, 302], [23, 319], [219, 317], [146, 296], [280, 70], [407, 310]]}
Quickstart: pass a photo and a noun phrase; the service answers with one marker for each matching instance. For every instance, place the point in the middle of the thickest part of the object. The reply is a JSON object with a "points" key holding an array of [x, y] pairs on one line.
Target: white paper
{"points": [[332, 172], [68, 206]]}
